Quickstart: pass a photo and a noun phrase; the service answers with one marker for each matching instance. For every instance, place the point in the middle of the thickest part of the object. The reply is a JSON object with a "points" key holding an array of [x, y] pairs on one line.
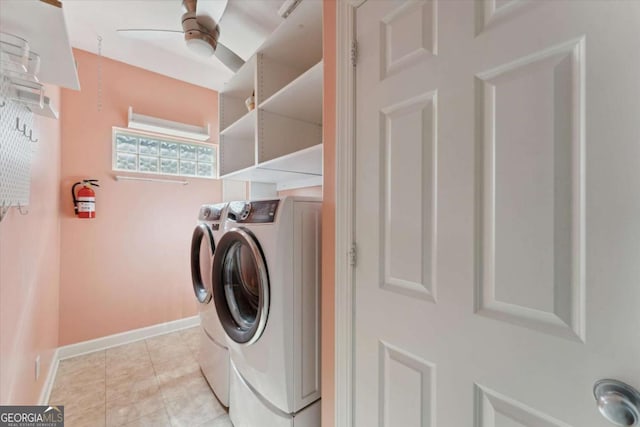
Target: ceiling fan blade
{"points": [[149, 34], [228, 57], [214, 9], [246, 24]]}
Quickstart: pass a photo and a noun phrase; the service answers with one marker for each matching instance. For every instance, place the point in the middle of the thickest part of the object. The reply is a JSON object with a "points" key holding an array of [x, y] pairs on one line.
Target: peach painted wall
{"points": [[128, 268], [328, 212], [30, 273]]}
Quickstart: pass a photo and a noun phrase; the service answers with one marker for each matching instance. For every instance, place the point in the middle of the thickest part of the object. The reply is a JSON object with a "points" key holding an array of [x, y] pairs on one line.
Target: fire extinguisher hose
{"points": [[73, 195]]}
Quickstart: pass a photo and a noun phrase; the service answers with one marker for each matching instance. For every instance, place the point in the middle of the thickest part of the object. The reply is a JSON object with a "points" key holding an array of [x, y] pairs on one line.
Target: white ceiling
{"points": [[243, 27]]}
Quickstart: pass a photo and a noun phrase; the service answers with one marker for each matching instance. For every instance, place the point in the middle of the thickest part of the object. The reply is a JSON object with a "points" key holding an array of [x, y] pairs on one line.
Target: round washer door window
{"points": [[202, 249], [241, 286]]}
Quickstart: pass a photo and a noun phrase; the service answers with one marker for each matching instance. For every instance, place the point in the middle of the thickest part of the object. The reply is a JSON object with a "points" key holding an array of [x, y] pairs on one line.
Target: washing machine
{"points": [[266, 287], [214, 354]]}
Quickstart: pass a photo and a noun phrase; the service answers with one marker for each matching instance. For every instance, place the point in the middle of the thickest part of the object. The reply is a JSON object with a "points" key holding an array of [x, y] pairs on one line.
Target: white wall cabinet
{"points": [[280, 141], [42, 24]]}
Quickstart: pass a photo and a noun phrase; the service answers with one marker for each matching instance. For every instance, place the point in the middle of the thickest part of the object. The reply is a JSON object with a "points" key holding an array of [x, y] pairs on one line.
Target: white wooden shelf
{"points": [[295, 170], [242, 128], [298, 99], [305, 161], [167, 127], [42, 24], [32, 102], [259, 174]]}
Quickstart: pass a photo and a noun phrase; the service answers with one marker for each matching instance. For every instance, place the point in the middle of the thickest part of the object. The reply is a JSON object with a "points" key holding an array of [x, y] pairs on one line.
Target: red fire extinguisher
{"points": [[84, 203]]}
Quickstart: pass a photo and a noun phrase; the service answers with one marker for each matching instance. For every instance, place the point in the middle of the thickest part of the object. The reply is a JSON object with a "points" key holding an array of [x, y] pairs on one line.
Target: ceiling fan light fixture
{"points": [[200, 39], [200, 32], [200, 45]]}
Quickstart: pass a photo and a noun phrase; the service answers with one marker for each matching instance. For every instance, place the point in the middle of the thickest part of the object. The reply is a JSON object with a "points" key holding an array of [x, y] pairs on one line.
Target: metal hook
{"points": [[22, 209], [24, 127], [31, 139], [3, 104]]}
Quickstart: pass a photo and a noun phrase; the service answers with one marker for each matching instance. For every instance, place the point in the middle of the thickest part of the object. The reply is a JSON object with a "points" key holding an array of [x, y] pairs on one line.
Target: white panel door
{"points": [[497, 211]]}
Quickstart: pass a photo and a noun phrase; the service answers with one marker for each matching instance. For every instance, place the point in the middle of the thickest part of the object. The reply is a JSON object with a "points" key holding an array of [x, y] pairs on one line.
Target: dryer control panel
{"points": [[262, 211], [211, 212]]}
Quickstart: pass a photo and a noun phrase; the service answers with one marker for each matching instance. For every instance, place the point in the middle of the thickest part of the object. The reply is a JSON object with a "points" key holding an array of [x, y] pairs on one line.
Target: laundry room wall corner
{"points": [[129, 267], [30, 272]]}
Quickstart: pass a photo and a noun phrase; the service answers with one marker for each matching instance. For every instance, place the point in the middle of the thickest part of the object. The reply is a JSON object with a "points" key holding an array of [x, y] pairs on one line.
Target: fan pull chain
{"points": [[99, 73]]}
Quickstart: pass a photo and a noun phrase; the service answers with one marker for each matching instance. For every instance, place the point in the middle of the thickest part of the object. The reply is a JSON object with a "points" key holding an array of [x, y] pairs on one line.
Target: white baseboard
{"points": [[115, 340], [45, 393], [109, 341]]}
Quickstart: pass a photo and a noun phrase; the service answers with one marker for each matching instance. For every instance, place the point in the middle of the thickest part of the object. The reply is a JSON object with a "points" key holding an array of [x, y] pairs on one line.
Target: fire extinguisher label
{"points": [[86, 204]]}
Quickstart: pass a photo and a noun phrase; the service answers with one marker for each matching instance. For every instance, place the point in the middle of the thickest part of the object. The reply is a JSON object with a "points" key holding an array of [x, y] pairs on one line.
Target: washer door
{"points": [[202, 249], [241, 286]]}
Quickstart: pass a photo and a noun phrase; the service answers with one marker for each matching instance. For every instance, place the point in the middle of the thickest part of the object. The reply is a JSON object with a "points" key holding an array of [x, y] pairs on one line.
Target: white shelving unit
{"points": [[280, 141]]}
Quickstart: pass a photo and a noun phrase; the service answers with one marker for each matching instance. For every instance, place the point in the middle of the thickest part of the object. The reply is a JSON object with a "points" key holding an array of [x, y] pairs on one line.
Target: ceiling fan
{"points": [[201, 30]]}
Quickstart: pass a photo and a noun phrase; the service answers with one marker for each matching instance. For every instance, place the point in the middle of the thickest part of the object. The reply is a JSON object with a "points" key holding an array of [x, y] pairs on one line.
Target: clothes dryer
{"points": [[214, 354]]}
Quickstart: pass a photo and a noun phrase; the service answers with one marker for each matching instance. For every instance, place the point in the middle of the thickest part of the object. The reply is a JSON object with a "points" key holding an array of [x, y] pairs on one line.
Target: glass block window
{"points": [[137, 152]]}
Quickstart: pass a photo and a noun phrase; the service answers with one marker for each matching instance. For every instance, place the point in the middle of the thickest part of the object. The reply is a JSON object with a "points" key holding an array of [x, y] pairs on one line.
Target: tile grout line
{"points": [[148, 356], [166, 400], [155, 374], [156, 377], [105, 388]]}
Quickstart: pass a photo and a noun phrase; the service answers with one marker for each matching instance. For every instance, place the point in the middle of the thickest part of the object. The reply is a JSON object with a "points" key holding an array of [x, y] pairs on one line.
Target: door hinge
{"points": [[354, 52], [353, 255]]}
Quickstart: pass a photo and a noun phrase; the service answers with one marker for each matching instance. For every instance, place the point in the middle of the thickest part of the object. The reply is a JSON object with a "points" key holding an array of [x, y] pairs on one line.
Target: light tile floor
{"points": [[156, 382]]}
